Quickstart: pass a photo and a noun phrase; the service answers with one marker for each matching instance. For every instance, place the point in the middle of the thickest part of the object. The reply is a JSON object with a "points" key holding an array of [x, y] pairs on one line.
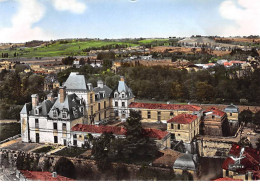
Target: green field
{"points": [[146, 41], [9, 129], [72, 48]]}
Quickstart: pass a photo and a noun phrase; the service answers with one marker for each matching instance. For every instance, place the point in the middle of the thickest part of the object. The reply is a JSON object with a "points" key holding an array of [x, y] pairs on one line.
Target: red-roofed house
{"points": [[184, 127], [80, 133], [152, 112], [213, 120], [246, 168], [40, 176]]}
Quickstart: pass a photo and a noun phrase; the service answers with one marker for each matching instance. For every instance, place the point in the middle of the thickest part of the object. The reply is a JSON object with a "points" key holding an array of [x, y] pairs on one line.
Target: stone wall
{"points": [[86, 169], [214, 148]]}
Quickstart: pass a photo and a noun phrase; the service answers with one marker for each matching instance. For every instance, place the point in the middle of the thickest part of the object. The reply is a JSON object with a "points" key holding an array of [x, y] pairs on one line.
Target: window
{"points": [[55, 126], [159, 116], [36, 111], [55, 139], [172, 127], [91, 98], [123, 95], [115, 95], [99, 106], [116, 113], [36, 123], [105, 104], [75, 142], [55, 113], [75, 136], [116, 104], [123, 104], [227, 174], [64, 126], [99, 117], [91, 110], [149, 114], [230, 114], [179, 134], [37, 137], [179, 126], [172, 136], [64, 115], [171, 113], [64, 142], [213, 117]]}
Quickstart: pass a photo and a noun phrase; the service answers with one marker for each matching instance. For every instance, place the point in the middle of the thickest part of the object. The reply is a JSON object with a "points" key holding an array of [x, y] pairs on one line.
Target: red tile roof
{"points": [[227, 179], [183, 119], [99, 129], [155, 133], [150, 132], [164, 106], [237, 62], [251, 161], [43, 176], [215, 111]]}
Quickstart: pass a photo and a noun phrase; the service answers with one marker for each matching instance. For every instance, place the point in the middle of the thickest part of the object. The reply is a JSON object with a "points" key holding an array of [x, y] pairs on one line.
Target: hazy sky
{"points": [[24, 20]]}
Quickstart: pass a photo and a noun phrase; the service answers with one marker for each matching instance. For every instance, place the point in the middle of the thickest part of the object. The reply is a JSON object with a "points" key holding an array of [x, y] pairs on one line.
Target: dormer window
{"points": [[55, 113], [116, 95], [36, 111], [64, 115], [81, 109], [123, 95]]}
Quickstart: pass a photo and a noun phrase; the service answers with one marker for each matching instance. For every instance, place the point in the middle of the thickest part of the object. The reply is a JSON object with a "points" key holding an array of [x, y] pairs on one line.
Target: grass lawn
{"points": [[152, 40], [9, 129], [70, 152], [44, 149], [61, 49]]}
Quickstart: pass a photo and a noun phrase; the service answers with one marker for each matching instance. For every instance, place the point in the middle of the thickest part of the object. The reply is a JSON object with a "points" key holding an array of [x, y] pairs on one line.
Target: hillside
{"points": [[70, 47]]}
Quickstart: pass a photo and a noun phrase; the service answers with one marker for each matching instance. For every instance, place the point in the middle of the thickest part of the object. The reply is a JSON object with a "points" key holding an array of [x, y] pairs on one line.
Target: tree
{"points": [[138, 146], [65, 168], [256, 118], [204, 91], [245, 116], [244, 142], [258, 144]]}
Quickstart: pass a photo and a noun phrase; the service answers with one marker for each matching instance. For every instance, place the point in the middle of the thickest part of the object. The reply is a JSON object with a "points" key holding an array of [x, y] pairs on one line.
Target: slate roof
{"points": [[164, 106], [215, 111], [71, 104], [231, 108], [26, 108], [183, 119], [44, 108], [185, 162], [122, 87], [43, 176], [105, 89], [76, 82]]}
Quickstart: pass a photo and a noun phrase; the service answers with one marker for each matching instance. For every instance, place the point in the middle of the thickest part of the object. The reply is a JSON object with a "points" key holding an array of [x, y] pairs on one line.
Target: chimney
{"points": [[50, 97], [90, 87], [100, 84], [35, 100], [62, 94], [122, 78], [54, 174]]}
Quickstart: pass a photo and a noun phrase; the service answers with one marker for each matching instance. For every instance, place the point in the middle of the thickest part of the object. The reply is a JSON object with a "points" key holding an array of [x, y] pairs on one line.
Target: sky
{"points": [[25, 20]]}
